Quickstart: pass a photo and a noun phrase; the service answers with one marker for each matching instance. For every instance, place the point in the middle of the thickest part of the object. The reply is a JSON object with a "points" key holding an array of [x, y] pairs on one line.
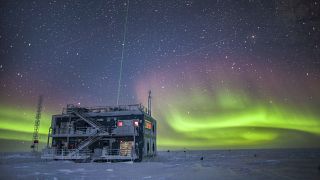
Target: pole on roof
{"points": [[149, 103]]}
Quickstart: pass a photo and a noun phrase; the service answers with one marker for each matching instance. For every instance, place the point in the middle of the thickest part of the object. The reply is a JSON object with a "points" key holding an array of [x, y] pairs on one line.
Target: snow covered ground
{"points": [[217, 164]]}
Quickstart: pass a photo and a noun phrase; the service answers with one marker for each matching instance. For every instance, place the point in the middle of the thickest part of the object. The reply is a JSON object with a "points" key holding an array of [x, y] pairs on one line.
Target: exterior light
{"points": [[136, 123], [119, 123]]}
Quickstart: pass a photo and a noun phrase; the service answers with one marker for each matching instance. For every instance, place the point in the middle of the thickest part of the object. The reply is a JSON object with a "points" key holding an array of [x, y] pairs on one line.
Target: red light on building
{"points": [[119, 123], [136, 123]]}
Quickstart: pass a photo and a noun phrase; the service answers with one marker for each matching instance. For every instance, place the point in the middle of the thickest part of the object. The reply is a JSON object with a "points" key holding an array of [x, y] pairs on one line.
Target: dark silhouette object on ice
{"points": [[255, 155], [201, 158]]}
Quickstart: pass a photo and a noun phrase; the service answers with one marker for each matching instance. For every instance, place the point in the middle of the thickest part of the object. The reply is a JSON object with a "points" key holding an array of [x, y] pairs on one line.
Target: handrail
{"points": [[118, 152], [64, 152], [53, 153], [129, 107], [89, 121]]}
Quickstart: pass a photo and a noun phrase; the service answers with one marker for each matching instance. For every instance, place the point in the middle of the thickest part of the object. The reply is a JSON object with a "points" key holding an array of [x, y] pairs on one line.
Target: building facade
{"points": [[102, 133]]}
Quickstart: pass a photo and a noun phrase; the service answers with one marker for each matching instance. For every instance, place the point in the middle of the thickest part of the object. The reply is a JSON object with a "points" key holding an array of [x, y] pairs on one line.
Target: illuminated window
{"points": [[119, 123], [148, 124]]}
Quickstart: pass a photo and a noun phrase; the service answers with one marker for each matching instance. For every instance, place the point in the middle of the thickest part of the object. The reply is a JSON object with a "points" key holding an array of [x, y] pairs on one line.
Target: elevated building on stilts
{"points": [[110, 133]]}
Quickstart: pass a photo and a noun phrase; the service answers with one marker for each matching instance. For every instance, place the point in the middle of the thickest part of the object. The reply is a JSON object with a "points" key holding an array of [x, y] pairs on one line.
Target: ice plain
{"points": [[287, 164]]}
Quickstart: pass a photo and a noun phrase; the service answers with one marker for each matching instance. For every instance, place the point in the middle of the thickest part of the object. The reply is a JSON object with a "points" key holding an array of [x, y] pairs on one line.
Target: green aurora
{"points": [[17, 124], [229, 120], [227, 109]]}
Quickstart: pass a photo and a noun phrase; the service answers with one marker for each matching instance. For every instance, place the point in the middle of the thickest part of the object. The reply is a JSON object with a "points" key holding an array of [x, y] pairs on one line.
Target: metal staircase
{"points": [[83, 144], [91, 139], [90, 121]]}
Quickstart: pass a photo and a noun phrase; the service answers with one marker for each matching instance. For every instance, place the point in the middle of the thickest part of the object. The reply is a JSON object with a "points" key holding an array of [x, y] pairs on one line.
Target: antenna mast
{"points": [[35, 140], [149, 103]]}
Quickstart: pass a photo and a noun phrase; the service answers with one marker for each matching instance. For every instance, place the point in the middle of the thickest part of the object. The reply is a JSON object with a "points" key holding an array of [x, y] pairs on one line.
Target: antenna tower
{"points": [[35, 139]]}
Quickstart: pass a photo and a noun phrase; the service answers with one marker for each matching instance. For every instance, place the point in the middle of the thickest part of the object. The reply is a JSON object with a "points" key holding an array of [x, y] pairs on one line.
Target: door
{"points": [[125, 148]]}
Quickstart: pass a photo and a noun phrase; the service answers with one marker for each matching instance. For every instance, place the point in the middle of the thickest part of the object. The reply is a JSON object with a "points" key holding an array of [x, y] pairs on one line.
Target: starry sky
{"points": [[223, 74]]}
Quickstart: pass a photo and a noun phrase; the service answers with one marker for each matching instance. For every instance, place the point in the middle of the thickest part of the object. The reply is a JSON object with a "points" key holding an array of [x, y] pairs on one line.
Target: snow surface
{"points": [[218, 164]]}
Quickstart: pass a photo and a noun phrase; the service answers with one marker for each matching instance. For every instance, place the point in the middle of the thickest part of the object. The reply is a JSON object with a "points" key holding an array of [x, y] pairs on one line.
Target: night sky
{"points": [[223, 74]]}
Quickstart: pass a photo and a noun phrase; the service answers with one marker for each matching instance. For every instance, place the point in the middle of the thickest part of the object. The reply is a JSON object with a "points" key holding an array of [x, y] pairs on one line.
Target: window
{"points": [[148, 124]]}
